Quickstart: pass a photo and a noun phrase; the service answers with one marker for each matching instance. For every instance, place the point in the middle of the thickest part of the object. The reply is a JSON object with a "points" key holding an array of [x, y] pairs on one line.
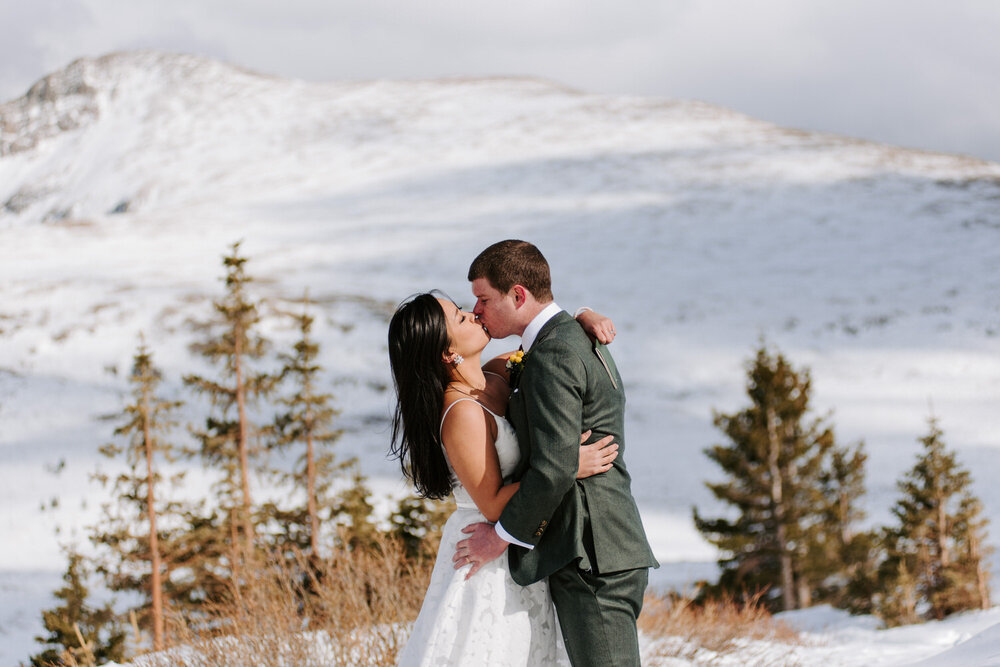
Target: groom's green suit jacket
{"points": [[569, 384]]}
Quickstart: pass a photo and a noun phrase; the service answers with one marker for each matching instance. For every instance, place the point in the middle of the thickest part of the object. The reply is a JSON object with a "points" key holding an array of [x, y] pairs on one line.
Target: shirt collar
{"points": [[535, 326]]}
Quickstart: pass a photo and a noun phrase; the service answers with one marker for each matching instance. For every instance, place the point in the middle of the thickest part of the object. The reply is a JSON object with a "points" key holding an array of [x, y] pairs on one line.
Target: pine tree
{"points": [[132, 527], [354, 513], [842, 561], [350, 512], [77, 632], [226, 440], [897, 596], [307, 422], [935, 556], [775, 464], [202, 560], [418, 523]]}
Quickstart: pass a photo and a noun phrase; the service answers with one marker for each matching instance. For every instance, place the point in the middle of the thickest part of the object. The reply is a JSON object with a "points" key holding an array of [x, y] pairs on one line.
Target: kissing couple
{"points": [[532, 446]]}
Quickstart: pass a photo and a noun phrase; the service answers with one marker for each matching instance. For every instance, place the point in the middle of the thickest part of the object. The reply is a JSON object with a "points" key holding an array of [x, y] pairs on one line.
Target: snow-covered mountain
{"points": [[124, 178]]}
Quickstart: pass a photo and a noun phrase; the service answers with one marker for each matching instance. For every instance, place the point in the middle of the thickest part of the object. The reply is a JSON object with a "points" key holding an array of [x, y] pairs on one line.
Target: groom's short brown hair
{"points": [[512, 262]]}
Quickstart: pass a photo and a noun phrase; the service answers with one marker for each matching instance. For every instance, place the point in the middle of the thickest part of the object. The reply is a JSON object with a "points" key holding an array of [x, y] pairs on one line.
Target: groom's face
{"points": [[495, 309]]}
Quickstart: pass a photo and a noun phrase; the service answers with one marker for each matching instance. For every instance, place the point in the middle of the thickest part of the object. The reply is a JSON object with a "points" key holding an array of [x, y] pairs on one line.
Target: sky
{"points": [[915, 73]]}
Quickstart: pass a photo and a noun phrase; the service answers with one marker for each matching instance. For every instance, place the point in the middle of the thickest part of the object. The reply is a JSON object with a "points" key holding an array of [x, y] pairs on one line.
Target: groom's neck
{"points": [[529, 312]]}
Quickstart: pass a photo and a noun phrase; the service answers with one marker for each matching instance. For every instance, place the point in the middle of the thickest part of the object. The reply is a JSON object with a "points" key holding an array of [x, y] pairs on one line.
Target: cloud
{"points": [[917, 74], [23, 59]]}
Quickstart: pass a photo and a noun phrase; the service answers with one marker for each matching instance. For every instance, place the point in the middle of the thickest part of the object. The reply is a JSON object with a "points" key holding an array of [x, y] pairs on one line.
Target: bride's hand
{"points": [[597, 326], [597, 457]]}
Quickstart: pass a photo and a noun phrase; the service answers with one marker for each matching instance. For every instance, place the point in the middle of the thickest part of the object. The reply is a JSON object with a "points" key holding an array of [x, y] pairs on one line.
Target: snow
{"points": [[699, 230], [832, 637]]}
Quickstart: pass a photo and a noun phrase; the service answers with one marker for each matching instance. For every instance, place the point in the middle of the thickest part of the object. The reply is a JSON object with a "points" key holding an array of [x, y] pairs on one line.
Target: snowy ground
{"points": [[828, 638], [699, 230]]}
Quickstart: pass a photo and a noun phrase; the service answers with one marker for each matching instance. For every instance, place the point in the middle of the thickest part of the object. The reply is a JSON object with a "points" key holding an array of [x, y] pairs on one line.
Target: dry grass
{"points": [[355, 607], [706, 632], [352, 608]]}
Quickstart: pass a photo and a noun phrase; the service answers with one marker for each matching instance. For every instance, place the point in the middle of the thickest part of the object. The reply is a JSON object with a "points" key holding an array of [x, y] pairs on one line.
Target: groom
{"points": [[584, 535]]}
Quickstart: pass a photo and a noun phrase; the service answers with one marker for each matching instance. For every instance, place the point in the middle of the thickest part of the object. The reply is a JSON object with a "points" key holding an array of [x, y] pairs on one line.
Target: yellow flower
{"points": [[515, 361]]}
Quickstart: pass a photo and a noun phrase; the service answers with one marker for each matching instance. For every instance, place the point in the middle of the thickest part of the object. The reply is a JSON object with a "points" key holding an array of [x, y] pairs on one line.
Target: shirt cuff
{"points": [[580, 310], [507, 537]]}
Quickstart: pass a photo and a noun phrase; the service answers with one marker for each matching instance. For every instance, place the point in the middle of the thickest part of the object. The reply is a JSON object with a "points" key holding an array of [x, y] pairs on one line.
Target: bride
{"points": [[450, 435]]}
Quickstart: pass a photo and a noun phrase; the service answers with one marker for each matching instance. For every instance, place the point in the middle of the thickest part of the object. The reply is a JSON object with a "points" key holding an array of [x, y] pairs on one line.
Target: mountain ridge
{"points": [[114, 134]]}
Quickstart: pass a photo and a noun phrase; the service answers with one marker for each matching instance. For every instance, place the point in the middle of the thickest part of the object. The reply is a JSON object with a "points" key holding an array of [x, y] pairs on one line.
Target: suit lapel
{"points": [[516, 406]]}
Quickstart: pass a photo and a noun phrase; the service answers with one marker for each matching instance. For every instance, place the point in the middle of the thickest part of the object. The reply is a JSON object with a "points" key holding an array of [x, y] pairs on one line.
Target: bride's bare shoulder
{"points": [[464, 419]]}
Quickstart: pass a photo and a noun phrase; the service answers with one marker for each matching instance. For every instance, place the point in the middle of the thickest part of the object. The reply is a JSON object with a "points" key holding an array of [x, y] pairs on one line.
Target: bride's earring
{"points": [[457, 359]]}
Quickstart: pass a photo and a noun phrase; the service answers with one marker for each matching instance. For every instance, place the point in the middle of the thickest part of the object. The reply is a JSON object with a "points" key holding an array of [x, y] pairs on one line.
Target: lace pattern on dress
{"points": [[488, 619]]}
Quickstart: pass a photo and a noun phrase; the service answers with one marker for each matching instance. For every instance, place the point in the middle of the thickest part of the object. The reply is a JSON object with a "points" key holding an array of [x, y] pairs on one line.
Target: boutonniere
{"points": [[515, 364], [515, 361]]}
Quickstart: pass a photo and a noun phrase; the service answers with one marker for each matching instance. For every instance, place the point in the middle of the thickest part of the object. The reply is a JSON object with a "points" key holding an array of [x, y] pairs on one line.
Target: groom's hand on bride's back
{"points": [[482, 546]]}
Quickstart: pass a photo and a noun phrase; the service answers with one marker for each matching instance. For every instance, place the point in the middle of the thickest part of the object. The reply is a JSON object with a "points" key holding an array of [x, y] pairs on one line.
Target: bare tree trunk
{"points": [[243, 442], [234, 548], [777, 502], [909, 601], [846, 534], [311, 490], [155, 582], [805, 595], [942, 536], [982, 587]]}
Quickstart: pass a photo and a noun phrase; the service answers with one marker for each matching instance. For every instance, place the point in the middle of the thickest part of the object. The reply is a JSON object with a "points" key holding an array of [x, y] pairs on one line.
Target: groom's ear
{"points": [[520, 294]]}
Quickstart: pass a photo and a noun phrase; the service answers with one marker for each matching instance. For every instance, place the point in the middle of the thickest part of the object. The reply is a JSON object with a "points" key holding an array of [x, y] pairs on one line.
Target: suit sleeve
{"points": [[554, 381]]}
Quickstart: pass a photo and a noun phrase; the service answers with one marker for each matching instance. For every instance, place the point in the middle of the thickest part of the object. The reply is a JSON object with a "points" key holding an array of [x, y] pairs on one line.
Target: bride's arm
{"points": [[596, 325]]}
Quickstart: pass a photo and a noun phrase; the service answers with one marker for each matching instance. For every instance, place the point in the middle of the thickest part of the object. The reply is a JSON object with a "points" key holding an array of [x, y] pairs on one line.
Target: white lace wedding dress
{"points": [[487, 619]]}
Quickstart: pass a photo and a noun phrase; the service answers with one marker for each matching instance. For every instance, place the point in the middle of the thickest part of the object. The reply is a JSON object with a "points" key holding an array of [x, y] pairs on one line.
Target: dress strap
{"points": [[448, 409]]}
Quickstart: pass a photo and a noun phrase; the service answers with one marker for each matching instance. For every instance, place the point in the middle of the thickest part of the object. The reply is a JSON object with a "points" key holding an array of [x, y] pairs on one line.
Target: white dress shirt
{"points": [[527, 340]]}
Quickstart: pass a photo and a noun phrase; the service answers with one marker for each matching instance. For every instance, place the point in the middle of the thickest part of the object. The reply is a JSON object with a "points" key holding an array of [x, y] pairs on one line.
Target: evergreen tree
{"points": [[897, 595], [418, 523], [350, 512], [935, 556], [841, 562], [202, 561], [228, 435], [354, 513], [77, 632], [132, 528], [307, 422], [775, 464]]}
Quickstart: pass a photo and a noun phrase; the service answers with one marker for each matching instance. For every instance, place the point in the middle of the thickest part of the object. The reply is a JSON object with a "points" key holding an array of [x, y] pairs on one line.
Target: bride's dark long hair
{"points": [[418, 341]]}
